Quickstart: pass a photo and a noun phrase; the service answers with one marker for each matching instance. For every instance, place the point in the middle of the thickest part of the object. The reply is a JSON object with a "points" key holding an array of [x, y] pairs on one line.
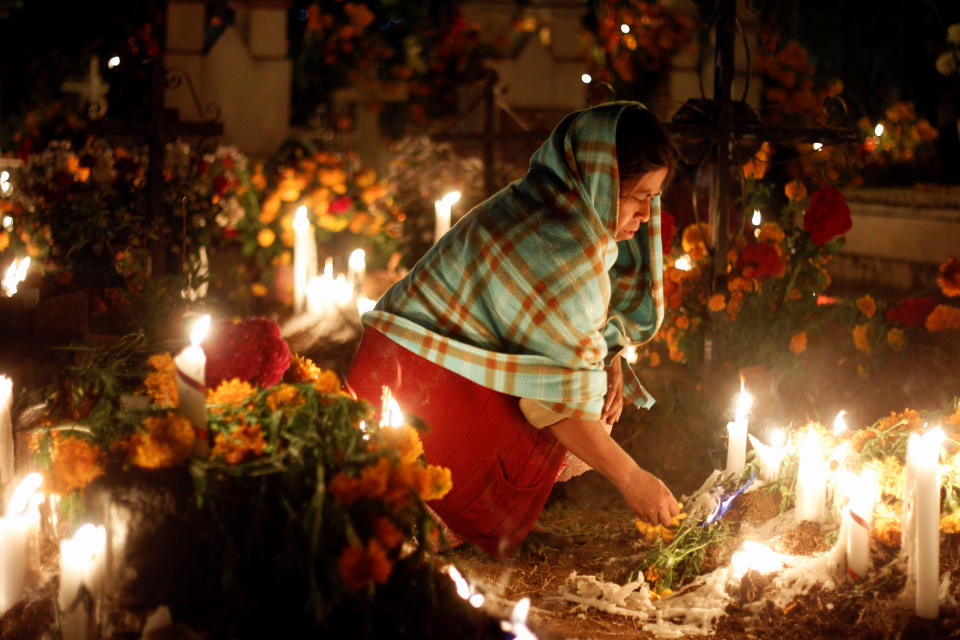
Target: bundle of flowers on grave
{"points": [[289, 508], [899, 148], [347, 206]]}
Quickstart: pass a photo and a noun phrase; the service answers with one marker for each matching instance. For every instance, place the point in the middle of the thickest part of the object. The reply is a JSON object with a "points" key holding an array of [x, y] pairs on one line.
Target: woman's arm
{"points": [[645, 494]]}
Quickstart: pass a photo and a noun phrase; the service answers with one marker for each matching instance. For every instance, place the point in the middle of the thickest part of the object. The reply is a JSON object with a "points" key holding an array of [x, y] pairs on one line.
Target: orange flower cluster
{"points": [[161, 383], [286, 396], [392, 483], [948, 277], [942, 318], [867, 306], [229, 394], [861, 338], [756, 167], [798, 343], [165, 442], [362, 567], [74, 463], [404, 440], [240, 444], [789, 74]]}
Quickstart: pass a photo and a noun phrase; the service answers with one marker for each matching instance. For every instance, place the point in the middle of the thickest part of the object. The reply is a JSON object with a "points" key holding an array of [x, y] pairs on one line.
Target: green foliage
{"points": [[670, 565]]}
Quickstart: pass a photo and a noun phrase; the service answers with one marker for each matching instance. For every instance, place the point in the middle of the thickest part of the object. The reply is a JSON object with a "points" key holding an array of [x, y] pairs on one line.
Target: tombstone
{"points": [[364, 101]]}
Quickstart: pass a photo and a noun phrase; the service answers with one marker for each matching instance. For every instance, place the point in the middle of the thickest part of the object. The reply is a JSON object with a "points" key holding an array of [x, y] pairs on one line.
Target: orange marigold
{"points": [[165, 442], [242, 443], [387, 533], [161, 383], [771, 232], [867, 306], [908, 420], [682, 322], [717, 302], [328, 382], [361, 567], [286, 396], [435, 482], [230, 393], [942, 318], [653, 360], [302, 369], [895, 338], [693, 241], [74, 463], [949, 277], [795, 190], [404, 440], [861, 338], [798, 343]]}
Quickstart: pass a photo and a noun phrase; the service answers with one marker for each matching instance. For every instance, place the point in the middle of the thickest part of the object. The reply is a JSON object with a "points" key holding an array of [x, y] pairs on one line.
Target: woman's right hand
{"points": [[649, 498]]}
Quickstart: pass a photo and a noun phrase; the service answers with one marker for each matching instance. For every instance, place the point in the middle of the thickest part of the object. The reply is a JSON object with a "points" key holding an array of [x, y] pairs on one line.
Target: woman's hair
{"points": [[643, 145]]}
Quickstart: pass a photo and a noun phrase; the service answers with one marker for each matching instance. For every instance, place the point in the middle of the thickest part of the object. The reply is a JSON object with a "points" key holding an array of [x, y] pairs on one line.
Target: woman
{"points": [[505, 337]]}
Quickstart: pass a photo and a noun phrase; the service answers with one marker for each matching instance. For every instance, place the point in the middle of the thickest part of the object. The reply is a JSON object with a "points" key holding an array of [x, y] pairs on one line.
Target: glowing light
{"points": [[744, 402], [7, 222], [23, 494], [683, 263], [817, 146], [757, 557], [199, 330], [586, 78], [630, 354], [518, 621], [777, 438], [365, 304], [5, 185], [839, 424], [624, 28], [878, 130], [15, 274], [300, 222], [390, 413], [357, 264], [463, 589], [757, 218], [113, 62]]}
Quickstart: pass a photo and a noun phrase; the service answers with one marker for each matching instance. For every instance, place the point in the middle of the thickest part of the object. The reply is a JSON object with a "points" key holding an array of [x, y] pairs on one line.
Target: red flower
{"points": [[668, 226], [763, 259], [220, 185], [202, 167], [341, 205], [911, 312], [251, 350], [828, 215]]}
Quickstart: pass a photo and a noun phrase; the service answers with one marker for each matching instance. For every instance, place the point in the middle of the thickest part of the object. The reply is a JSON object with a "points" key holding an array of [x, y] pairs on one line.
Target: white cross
{"points": [[92, 91]]}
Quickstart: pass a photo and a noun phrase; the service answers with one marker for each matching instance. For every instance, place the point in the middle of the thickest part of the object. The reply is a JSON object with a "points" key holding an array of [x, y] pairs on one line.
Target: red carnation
{"points": [[252, 350], [668, 226], [911, 312], [828, 215], [763, 260], [341, 205]]}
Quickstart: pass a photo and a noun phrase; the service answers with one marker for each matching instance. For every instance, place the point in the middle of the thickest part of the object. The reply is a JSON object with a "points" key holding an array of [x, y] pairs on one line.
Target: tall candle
{"points": [[926, 521], [19, 531], [191, 377], [6, 429], [770, 455], [443, 208], [304, 257], [737, 434], [811, 479], [81, 563], [861, 493], [357, 268]]}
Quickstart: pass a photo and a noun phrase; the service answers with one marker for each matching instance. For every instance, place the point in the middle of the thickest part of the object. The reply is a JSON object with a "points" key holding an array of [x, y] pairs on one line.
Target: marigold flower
{"points": [[302, 369], [950, 523], [404, 440], [942, 318], [258, 290], [243, 442], [682, 322], [653, 360], [161, 384], [949, 277], [387, 533], [328, 382], [166, 442], [266, 237], [74, 464], [676, 355], [717, 302], [770, 233], [286, 396], [692, 241], [361, 567], [231, 393], [895, 338], [433, 482], [798, 343], [795, 190], [886, 525], [867, 306], [861, 338]]}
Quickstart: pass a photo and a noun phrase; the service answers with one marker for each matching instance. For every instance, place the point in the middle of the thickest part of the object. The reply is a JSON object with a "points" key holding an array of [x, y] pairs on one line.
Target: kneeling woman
{"points": [[505, 338]]}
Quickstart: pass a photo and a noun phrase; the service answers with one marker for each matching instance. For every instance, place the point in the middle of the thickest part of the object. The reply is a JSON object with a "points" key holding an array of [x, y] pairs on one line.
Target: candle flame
{"points": [[450, 199], [391, 414], [463, 589], [86, 543], [365, 304], [683, 263], [777, 438], [518, 621], [810, 447], [14, 275], [23, 494], [199, 330], [839, 424], [6, 391], [300, 221], [358, 260], [328, 269], [744, 402], [757, 218], [476, 600], [755, 556]]}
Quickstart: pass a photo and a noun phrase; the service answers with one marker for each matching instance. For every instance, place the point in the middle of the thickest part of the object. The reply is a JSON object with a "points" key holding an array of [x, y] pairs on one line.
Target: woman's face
{"points": [[635, 197]]}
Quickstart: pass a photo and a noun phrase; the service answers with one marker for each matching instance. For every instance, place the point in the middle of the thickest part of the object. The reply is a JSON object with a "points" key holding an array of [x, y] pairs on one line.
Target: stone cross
{"points": [[92, 91]]}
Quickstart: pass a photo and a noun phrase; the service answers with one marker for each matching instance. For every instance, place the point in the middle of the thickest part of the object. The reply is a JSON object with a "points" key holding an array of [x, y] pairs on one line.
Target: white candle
{"points": [[811, 480], [926, 520], [770, 455], [6, 429], [443, 212], [861, 493], [357, 268], [737, 434], [839, 423], [191, 377], [15, 274], [81, 563], [304, 257], [19, 531]]}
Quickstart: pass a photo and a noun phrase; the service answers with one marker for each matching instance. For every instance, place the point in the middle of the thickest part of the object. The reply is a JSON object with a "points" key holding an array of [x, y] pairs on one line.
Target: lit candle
{"points": [[357, 268], [770, 455], [861, 493], [365, 304], [737, 434], [304, 257], [191, 377], [19, 531], [811, 479], [390, 413], [923, 454], [443, 211], [6, 429], [82, 561], [839, 423], [14, 275]]}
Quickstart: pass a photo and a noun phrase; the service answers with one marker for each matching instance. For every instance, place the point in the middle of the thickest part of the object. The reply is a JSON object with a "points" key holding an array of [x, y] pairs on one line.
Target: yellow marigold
{"points": [[950, 523], [433, 482], [653, 360], [165, 442], [241, 443], [161, 384], [387, 533], [404, 440], [328, 382], [867, 306], [798, 343], [682, 322], [907, 420], [258, 290], [360, 567], [860, 438], [693, 241], [230, 393], [771, 232], [861, 338], [895, 338], [74, 463], [302, 369], [942, 318], [717, 302], [948, 277], [266, 237], [795, 190], [270, 208], [286, 396]]}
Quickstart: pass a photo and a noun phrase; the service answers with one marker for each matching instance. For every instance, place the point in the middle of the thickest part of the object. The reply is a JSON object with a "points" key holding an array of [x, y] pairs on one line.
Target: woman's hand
{"points": [[613, 401], [649, 498]]}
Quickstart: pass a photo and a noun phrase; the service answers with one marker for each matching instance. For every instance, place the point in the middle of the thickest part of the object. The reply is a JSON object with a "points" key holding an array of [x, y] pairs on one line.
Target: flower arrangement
{"points": [[899, 140], [291, 467]]}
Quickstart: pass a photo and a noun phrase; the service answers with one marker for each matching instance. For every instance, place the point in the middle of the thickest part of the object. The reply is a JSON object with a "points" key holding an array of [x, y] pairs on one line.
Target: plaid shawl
{"points": [[529, 294]]}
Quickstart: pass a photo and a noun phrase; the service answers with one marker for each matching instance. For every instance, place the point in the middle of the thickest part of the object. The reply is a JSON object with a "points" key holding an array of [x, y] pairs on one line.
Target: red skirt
{"points": [[502, 467]]}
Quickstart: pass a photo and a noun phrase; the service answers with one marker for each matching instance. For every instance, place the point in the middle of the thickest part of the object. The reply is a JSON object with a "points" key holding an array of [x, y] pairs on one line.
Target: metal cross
{"points": [[92, 91]]}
